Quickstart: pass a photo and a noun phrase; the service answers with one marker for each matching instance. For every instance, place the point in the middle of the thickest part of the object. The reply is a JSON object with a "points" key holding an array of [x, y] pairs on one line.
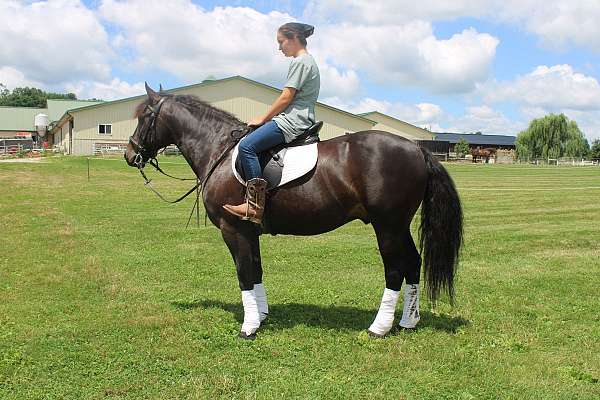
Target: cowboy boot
{"points": [[253, 209]]}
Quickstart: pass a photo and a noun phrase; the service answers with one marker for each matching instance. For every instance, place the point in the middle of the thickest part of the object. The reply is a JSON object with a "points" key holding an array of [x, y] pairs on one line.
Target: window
{"points": [[105, 129]]}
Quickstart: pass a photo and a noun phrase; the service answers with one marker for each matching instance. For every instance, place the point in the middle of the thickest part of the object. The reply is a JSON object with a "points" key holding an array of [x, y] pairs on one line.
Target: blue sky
{"points": [[462, 66]]}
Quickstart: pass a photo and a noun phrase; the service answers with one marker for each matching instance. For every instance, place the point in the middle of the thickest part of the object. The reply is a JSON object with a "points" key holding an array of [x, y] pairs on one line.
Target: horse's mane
{"points": [[197, 107]]}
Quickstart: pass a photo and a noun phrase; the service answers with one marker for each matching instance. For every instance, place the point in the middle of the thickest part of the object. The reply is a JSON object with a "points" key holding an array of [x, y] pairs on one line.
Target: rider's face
{"points": [[287, 46]]}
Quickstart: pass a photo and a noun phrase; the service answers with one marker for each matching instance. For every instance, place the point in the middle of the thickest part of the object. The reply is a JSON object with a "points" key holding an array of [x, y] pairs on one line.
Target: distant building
{"points": [[19, 122], [498, 142]]}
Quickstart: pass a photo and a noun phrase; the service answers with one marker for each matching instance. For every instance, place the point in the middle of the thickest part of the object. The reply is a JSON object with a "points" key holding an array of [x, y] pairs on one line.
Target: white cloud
{"points": [[480, 118], [337, 83], [429, 112], [561, 23], [53, 42], [551, 88], [375, 12], [410, 54], [422, 114], [192, 43], [588, 122], [13, 78], [557, 23], [115, 89], [457, 63], [486, 120]]}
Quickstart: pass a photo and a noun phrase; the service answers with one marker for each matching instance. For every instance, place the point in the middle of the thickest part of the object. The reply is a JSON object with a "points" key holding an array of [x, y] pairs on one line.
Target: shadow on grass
{"points": [[284, 316]]}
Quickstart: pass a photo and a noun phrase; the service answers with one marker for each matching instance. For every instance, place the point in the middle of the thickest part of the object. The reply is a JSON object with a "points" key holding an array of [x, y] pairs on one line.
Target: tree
{"points": [[595, 150], [29, 97], [576, 144], [461, 148], [552, 136]]}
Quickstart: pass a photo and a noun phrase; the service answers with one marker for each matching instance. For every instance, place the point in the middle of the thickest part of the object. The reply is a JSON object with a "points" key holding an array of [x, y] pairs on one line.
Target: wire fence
{"points": [[12, 147]]}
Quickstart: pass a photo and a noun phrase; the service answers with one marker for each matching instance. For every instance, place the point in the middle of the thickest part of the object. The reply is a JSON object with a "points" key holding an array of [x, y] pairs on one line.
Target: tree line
{"points": [[554, 136], [30, 97]]}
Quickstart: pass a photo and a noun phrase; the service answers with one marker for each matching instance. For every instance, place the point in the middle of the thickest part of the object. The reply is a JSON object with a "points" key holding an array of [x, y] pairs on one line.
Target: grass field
{"points": [[106, 295]]}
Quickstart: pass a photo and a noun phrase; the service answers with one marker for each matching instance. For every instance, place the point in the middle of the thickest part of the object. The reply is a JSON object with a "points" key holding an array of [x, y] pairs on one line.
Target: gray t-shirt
{"points": [[299, 115]]}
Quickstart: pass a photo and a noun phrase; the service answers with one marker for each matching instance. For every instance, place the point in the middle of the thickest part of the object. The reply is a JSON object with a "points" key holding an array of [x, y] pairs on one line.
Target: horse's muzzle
{"points": [[130, 156]]}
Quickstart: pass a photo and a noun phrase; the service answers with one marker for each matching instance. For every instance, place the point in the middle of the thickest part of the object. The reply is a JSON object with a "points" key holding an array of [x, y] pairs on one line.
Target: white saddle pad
{"points": [[297, 162]]}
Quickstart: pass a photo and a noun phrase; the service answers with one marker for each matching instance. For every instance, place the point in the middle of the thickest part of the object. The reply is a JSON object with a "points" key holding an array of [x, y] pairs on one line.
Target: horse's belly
{"points": [[308, 225]]}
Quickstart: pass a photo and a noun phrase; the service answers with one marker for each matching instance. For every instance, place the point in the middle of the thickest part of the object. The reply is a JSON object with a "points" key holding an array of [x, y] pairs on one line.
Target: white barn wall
{"points": [[242, 97]]}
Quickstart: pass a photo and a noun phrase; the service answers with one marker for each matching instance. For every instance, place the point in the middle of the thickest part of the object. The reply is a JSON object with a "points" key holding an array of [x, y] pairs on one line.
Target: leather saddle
{"points": [[272, 160]]}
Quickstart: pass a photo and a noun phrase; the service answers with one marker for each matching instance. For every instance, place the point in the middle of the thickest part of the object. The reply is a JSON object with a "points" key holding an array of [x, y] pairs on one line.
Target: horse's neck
{"points": [[201, 143]]}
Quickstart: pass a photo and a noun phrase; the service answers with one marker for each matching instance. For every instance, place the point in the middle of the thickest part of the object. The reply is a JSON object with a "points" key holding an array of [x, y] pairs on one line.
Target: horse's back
{"points": [[368, 175], [373, 154]]}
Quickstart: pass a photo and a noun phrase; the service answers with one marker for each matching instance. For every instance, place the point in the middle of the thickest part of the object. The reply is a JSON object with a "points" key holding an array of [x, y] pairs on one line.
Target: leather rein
{"points": [[143, 155]]}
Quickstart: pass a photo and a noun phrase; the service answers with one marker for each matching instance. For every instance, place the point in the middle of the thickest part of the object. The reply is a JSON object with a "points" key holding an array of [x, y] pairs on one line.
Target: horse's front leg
{"points": [[242, 241]]}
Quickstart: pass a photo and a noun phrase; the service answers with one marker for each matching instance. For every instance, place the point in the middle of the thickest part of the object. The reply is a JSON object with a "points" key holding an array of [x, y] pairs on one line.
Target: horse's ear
{"points": [[160, 88], [152, 95]]}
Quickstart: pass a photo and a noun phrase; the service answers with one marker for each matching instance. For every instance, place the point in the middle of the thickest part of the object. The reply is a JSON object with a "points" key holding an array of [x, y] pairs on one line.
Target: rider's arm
{"points": [[284, 100]]}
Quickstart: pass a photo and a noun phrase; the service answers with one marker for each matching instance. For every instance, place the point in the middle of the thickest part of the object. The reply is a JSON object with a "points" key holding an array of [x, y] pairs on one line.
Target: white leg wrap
{"points": [[385, 317], [410, 311], [251, 316], [261, 300]]}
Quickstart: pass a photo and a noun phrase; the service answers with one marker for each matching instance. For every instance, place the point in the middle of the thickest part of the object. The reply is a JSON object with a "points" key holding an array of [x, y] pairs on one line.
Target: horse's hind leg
{"points": [[401, 262]]}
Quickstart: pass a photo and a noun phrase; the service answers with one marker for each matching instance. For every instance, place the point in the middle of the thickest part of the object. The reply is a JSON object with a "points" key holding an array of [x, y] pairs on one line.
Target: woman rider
{"points": [[288, 117]]}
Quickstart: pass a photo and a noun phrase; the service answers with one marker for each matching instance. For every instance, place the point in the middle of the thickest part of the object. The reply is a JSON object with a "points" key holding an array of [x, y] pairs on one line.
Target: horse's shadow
{"points": [[285, 316]]}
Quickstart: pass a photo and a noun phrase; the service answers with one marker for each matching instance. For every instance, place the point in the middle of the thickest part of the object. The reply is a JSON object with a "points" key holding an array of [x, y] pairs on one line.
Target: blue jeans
{"points": [[267, 136]]}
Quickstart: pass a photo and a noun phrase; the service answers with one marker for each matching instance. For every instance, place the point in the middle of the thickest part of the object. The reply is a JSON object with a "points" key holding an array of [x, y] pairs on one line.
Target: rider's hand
{"points": [[257, 121]]}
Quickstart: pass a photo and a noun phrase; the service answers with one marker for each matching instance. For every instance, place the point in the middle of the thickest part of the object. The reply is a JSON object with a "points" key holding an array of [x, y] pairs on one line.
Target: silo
{"points": [[41, 124]]}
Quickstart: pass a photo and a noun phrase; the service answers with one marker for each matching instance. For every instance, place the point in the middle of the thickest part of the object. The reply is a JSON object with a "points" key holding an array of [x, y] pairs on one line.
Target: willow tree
{"points": [[552, 136]]}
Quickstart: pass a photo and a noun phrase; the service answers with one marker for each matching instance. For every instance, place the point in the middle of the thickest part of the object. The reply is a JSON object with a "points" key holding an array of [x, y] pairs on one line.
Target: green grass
{"points": [[105, 294]]}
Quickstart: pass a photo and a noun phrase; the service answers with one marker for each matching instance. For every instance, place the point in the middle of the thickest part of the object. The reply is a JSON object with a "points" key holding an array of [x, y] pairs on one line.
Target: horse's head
{"points": [[151, 133]]}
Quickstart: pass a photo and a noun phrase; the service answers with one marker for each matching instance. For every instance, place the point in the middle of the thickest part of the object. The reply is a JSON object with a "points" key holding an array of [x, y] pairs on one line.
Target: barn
{"points": [[106, 126], [497, 142]]}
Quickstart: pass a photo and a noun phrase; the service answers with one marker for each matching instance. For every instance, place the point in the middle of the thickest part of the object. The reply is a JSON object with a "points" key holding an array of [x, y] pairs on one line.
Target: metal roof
{"points": [[57, 107], [23, 118], [19, 118], [499, 140]]}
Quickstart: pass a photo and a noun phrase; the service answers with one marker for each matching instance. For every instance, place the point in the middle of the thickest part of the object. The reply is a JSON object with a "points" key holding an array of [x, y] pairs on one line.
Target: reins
{"points": [[200, 184]]}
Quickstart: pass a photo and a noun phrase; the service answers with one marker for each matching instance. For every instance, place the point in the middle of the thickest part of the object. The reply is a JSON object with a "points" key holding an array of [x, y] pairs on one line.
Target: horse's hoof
{"points": [[245, 336], [374, 335], [405, 330]]}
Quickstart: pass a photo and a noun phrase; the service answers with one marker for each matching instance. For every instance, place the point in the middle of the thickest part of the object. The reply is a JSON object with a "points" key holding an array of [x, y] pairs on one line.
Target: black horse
{"points": [[374, 176]]}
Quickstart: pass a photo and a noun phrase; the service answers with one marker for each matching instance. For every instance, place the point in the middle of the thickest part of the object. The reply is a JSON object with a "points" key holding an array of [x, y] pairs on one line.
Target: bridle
{"points": [[143, 155]]}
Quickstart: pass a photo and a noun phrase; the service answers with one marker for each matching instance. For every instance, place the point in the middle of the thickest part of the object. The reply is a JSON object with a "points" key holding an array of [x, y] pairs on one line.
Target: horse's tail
{"points": [[441, 230]]}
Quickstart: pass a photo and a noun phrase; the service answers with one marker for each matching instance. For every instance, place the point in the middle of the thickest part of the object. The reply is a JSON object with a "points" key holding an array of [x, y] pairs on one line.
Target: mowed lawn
{"points": [[105, 294]]}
